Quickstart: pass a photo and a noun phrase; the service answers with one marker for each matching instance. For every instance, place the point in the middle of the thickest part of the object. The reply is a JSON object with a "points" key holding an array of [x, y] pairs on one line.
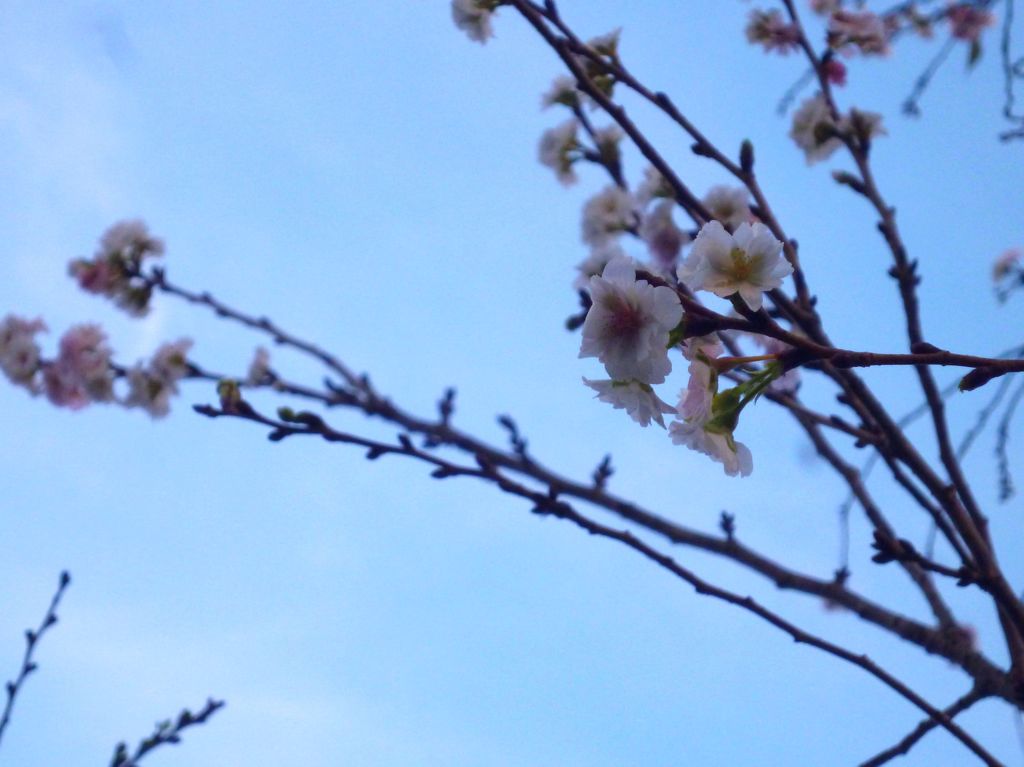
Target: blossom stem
{"points": [[725, 364]]}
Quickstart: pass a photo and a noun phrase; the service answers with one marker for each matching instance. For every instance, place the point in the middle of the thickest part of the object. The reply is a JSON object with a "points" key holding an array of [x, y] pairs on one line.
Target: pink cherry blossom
{"points": [[968, 22]]}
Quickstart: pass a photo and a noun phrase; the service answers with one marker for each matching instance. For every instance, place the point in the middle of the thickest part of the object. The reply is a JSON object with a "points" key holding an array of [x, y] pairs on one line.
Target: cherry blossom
{"points": [[696, 401], [967, 22], [664, 239], [81, 373], [19, 352], [628, 325], [557, 150], [595, 263], [863, 30], [114, 270], [747, 262], [151, 387], [653, 185], [259, 368], [607, 215], [770, 30], [814, 130], [866, 125], [635, 397], [728, 204], [607, 141], [709, 346], [720, 446], [474, 18], [563, 91], [130, 240]]}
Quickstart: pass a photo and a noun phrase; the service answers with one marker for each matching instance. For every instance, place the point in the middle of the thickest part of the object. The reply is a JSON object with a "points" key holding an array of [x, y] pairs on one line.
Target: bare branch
{"points": [[32, 638], [926, 726], [167, 732]]}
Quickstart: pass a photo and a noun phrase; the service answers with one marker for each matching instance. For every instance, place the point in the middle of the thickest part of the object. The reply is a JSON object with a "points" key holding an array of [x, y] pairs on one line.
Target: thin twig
{"points": [[167, 732], [32, 637], [922, 729]]}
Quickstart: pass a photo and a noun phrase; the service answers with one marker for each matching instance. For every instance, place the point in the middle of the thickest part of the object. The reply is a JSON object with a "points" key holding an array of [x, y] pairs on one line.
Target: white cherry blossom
{"points": [[595, 263], [719, 446], [628, 325], [151, 387], [862, 123], [563, 91], [728, 204], [607, 215], [862, 30], [259, 368], [818, 135], [697, 399], [709, 346], [747, 262], [814, 130], [636, 398], [653, 185], [474, 18], [556, 148], [129, 239]]}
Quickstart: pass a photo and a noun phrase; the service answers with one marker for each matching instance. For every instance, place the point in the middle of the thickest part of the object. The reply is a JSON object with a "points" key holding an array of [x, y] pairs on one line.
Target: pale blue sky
{"points": [[365, 175]]}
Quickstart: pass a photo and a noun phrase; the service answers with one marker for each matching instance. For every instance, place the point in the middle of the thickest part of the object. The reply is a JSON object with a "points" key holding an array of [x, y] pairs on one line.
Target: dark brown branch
{"points": [[926, 726], [158, 280], [167, 732], [939, 642], [32, 637], [294, 424], [904, 272], [563, 47], [853, 479], [961, 505]]}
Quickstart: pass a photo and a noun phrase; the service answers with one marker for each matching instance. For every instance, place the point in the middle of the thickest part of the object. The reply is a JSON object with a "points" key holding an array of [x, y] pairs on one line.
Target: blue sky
{"points": [[366, 176]]}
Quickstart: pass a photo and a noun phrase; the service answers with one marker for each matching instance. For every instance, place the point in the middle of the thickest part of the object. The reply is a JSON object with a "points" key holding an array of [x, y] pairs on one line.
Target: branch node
{"points": [[727, 522]]}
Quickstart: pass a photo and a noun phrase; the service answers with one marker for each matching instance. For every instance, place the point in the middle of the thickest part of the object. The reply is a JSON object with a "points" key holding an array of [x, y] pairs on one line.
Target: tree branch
{"points": [[32, 638], [926, 726], [165, 733]]}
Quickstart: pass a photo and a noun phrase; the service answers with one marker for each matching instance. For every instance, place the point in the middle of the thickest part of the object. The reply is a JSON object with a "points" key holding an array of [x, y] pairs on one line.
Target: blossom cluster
{"points": [[152, 385], [861, 32], [19, 352], [706, 417], [635, 316], [82, 372], [115, 269], [633, 324], [856, 31], [770, 30], [967, 22], [819, 134]]}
